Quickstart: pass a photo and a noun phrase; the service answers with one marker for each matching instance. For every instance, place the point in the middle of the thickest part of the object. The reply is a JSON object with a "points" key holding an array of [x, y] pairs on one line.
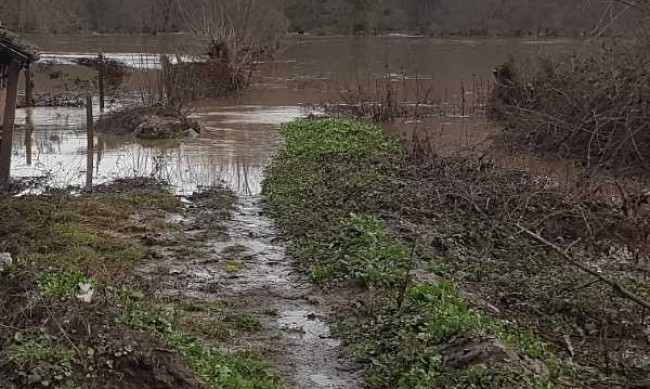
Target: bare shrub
{"points": [[398, 95], [473, 215], [594, 108], [236, 34]]}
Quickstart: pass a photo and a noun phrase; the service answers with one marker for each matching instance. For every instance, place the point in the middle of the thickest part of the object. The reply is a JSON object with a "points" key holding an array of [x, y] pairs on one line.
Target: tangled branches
{"points": [[596, 109]]}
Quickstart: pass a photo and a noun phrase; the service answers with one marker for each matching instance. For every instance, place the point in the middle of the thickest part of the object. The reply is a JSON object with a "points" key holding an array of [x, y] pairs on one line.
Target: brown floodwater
{"points": [[241, 133]]}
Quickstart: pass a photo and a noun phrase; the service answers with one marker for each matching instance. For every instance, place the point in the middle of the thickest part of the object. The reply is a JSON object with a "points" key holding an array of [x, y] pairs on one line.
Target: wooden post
{"points": [[102, 82], [29, 87], [8, 125], [90, 135], [29, 136]]}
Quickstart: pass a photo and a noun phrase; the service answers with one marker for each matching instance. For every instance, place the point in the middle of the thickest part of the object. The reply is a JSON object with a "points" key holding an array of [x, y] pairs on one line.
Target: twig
{"points": [[618, 288]]}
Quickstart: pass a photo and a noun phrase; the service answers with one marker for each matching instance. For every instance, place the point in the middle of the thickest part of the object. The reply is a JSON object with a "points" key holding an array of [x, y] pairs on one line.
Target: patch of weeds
{"points": [[404, 342], [205, 306], [242, 322], [233, 266], [219, 368], [142, 199], [45, 361], [221, 326], [62, 284], [359, 248], [327, 188], [222, 369], [191, 252], [71, 233], [235, 250]]}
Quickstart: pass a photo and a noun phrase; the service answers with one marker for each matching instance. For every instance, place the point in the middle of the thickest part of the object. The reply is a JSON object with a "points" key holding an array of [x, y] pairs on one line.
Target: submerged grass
{"points": [[328, 188]]}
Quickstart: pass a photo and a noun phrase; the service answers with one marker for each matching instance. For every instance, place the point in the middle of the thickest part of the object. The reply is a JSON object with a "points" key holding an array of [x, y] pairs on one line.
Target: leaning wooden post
{"points": [[29, 87], [90, 135], [8, 125]]}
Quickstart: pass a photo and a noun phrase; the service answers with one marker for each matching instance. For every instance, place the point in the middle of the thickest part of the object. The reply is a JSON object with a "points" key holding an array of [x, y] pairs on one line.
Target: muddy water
{"points": [[241, 135]]}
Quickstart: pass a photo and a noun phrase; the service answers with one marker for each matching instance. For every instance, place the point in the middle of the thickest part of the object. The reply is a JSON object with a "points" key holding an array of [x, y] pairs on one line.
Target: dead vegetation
{"points": [[591, 108], [570, 266], [237, 34], [399, 96]]}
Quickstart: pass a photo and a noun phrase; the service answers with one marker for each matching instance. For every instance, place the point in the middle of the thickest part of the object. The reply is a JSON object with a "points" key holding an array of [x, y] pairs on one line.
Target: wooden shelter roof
{"points": [[12, 45]]}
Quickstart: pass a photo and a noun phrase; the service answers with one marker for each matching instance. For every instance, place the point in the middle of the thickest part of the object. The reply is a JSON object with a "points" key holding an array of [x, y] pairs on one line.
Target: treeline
{"points": [[429, 17], [457, 17]]}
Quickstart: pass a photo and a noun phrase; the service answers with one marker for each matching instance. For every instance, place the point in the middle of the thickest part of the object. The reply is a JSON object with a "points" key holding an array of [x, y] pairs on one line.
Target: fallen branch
{"points": [[618, 288]]}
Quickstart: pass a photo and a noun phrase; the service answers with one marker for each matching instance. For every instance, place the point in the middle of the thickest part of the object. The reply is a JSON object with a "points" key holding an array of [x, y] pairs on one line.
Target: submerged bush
{"points": [[594, 108]]}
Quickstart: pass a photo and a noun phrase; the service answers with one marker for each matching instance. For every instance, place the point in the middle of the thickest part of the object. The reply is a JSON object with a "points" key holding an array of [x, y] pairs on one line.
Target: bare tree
{"points": [[237, 33]]}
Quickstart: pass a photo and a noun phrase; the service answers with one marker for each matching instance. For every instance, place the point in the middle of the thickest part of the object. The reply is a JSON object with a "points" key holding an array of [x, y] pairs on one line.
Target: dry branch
{"points": [[617, 287]]}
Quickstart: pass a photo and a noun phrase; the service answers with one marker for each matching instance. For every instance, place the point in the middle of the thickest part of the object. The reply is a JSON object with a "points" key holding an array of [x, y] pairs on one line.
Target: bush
{"points": [[594, 108]]}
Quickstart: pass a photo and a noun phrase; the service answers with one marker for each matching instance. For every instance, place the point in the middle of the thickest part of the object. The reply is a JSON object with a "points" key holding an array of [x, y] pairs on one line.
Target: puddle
{"points": [[306, 325]]}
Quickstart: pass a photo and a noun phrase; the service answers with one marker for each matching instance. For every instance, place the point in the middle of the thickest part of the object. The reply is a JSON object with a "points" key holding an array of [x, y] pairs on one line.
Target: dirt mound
{"points": [[49, 342], [465, 352], [149, 123]]}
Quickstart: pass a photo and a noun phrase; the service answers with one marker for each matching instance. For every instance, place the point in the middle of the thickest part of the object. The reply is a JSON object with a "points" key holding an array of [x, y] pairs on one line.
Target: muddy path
{"points": [[246, 264]]}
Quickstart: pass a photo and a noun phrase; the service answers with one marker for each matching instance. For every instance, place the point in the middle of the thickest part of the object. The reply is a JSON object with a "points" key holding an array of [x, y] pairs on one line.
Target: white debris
{"points": [[86, 292], [6, 261]]}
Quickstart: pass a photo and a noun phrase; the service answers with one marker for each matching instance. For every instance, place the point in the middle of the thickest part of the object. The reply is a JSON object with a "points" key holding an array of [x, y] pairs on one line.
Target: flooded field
{"points": [[244, 259], [241, 132]]}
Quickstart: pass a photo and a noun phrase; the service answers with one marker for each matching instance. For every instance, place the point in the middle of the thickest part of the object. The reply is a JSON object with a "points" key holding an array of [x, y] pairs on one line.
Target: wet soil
{"points": [[247, 265]]}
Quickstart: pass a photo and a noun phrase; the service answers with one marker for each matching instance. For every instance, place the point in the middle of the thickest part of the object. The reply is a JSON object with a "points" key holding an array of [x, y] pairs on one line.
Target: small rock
{"points": [[6, 262]]}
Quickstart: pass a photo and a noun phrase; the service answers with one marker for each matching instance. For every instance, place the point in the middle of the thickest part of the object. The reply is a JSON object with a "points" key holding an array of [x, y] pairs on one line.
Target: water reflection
{"points": [[233, 150]]}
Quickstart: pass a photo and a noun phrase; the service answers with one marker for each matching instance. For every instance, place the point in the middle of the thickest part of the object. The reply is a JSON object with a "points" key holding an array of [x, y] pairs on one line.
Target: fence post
{"points": [[8, 125], [29, 87], [90, 135], [102, 82]]}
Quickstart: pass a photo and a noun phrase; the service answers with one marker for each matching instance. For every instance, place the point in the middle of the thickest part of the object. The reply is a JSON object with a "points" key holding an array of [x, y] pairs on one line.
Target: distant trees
{"points": [[471, 17]]}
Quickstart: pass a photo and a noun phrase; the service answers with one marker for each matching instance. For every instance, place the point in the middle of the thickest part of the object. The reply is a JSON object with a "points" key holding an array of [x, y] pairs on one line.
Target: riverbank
{"points": [[449, 286], [81, 311]]}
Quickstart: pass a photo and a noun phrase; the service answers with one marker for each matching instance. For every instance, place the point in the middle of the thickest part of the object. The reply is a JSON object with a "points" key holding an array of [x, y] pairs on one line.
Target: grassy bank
{"points": [[77, 313], [450, 292]]}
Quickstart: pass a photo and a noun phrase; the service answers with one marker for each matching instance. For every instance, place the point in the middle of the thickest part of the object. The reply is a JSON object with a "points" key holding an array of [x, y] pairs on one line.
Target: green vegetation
{"points": [[87, 234], [50, 337], [327, 188], [219, 368], [52, 361], [64, 284]]}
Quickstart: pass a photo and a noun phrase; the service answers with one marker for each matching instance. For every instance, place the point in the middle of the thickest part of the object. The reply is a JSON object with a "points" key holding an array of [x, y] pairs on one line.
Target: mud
{"points": [[248, 266]]}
